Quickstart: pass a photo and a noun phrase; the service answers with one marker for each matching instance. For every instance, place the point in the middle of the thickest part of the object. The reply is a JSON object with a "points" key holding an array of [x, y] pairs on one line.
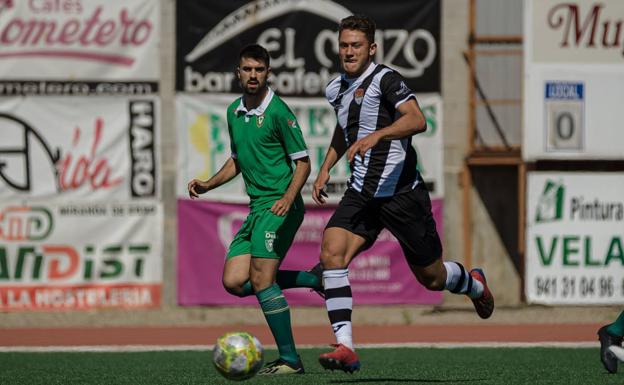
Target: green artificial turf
{"points": [[480, 366]]}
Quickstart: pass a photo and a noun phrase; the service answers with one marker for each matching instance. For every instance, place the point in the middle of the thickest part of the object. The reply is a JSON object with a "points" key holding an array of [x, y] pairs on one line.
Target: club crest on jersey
{"points": [[358, 95], [269, 240], [259, 120], [292, 123]]}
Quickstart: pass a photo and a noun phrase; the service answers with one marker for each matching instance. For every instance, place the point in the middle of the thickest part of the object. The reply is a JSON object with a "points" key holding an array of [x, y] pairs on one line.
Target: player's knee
{"points": [[432, 282], [233, 286], [332, 258], [260, 282]]}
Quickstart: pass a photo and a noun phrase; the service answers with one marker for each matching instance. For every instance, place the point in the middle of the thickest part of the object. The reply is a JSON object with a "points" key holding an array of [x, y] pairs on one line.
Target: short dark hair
{"points": [[257, 52], [359, 23]]}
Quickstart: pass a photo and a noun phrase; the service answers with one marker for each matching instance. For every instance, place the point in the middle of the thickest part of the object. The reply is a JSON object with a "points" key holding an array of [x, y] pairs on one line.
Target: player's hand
{"points": [[281, 207], [318, 188], [196, 187], [361, 146]]}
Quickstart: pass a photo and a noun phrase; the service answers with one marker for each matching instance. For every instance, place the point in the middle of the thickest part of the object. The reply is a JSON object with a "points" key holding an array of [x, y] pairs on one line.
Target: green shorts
{"points": [[266, 235]]}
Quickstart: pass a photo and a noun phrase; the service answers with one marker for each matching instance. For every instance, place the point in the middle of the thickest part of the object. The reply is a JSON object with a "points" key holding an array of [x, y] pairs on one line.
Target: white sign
{"points": [[78, 40], [577, 31], [575, 238], [68, 148], [204, 146], [80, 256], [574, 79]]}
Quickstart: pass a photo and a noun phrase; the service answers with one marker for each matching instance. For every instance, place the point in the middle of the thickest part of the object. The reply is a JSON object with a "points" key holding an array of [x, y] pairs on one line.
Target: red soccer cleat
{"points": [[484, 305], [341, 358]]}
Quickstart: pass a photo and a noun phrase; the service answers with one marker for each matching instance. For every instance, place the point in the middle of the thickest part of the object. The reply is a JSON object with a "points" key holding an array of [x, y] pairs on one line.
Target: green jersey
{"points": [[264, 141]]}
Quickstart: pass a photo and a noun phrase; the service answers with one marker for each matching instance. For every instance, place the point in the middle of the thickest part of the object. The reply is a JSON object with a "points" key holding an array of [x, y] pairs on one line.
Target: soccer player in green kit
{"points": [[611, 337], [265, 140]]}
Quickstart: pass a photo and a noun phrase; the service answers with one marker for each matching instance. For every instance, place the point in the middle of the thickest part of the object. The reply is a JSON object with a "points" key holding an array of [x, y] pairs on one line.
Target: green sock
{"points": [[277, 314], [288, 279], [617, 328], [247, 289]]}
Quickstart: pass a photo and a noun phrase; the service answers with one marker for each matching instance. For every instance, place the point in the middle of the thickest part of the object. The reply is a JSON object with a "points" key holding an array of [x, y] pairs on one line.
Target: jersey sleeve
{"points": [[234, 155], [394, 89], [291, 135]]}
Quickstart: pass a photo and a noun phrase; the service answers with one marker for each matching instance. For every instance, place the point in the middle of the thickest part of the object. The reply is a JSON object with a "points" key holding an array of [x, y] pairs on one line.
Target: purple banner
{"points": [[378, 275]]}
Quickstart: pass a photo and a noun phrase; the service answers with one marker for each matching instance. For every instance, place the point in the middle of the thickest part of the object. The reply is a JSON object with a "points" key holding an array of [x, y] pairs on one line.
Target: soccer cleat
{"points": [[618, 352], [317, 270], [484, 305], [280, 366], [606, 340], [341, 358]]}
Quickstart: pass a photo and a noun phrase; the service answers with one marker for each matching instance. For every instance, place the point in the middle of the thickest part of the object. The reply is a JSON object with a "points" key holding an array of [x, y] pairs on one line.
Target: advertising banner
{"points": [[79, 47], [378, 275], [575, 238], [80, 256], [574, 79], [577, 31], [204, 146], [301, 38], [68, 148]]}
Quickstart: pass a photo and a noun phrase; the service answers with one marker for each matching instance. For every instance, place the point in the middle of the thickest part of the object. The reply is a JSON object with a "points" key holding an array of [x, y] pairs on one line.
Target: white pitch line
{"points": [[455, 345], [103, 348], [173, 348]]}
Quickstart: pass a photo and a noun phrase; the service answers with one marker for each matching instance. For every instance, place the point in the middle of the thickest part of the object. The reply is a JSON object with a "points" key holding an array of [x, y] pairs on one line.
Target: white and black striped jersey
{"points": [[367, 104]]}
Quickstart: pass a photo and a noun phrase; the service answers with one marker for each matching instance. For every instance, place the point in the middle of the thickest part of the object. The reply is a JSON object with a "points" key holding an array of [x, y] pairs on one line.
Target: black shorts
{"points": [[406, 215]]}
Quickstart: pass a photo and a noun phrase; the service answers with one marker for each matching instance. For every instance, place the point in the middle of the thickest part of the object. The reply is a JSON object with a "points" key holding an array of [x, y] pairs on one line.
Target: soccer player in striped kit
{"points": [[377, 114]]}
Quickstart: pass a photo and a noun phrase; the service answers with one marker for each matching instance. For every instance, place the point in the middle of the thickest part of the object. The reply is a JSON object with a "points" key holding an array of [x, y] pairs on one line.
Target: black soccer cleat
{"points": [[607, 339]]}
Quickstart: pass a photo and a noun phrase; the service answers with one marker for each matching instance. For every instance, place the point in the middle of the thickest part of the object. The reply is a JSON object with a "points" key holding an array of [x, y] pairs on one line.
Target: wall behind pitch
{"points": [[488, 251]]}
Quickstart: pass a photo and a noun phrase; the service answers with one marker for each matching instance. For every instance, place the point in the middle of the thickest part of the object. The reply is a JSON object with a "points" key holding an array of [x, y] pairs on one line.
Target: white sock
{"points": [[459, 281], [339, 302]]}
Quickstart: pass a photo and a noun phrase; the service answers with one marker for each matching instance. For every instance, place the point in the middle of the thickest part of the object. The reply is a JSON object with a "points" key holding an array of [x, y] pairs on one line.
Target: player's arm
{"points": [[295, 146], [336, 150], [229, 170], [411, 122], [300, 175]]}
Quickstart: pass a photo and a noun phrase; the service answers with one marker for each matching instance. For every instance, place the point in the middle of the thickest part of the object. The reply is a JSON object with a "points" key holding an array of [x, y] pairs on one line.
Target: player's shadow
{"points": [[387, 380]]}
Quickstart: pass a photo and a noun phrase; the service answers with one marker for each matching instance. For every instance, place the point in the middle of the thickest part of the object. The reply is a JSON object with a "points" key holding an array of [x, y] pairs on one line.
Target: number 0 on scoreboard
{"points": [[565, 124]]}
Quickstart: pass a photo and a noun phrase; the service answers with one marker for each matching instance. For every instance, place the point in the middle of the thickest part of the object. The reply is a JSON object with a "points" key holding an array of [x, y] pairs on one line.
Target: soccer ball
{"points": [[237, 355]]}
